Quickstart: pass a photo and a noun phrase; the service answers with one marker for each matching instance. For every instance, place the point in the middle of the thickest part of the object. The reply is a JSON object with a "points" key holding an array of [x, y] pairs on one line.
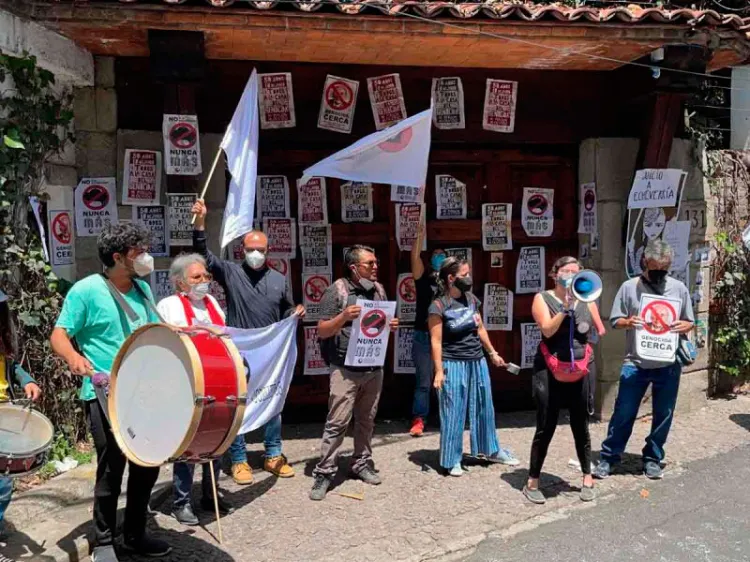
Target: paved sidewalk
{"points": [[417, 513]]}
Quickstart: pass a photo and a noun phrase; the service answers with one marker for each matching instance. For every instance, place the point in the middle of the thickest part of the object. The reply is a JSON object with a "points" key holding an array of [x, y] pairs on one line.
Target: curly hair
{"points": [[118, 239]]}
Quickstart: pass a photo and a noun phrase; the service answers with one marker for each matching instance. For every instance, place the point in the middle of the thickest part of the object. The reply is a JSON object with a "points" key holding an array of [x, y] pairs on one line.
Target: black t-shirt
{"points": [[426, 288], [460, 330], [559, 343]]}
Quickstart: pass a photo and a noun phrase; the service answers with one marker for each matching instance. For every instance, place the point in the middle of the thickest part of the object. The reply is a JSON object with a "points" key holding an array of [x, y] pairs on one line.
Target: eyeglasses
{"points": [[369, 263], [206, 277]]}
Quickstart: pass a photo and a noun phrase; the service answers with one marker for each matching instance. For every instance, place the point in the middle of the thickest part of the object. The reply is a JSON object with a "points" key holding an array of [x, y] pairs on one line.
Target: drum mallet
{"points": [[216, 500]]}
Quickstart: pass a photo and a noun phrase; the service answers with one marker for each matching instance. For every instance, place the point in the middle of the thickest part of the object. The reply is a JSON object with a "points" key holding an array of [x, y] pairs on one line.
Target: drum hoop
{"points": [[239, 412], [198, 379], [38, 450]]}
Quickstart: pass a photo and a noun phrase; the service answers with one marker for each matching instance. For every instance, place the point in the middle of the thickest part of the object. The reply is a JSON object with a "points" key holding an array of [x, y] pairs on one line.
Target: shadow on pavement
{"points": [[743, 420], [550, 484], [629, 464], [19, 546]]}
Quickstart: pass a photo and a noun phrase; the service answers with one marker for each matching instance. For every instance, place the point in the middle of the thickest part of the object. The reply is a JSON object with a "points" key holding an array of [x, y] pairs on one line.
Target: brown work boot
{"points": [[278, 466], [242, 473]]}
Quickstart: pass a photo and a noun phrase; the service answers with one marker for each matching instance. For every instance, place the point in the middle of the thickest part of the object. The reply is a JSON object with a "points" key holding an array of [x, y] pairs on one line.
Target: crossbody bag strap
{"points": [[117, 295], [149, 304]]}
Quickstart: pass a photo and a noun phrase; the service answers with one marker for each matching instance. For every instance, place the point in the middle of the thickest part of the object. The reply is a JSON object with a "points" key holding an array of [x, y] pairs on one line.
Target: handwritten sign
{"points": [[655, 188]]}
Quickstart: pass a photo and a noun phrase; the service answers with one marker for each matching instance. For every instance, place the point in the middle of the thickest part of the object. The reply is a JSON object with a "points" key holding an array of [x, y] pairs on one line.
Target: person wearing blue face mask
{"points": [[425, 283]]}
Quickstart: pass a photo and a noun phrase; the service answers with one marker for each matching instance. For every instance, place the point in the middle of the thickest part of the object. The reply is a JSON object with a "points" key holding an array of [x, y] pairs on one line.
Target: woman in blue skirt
{"points": [[462, 377]]}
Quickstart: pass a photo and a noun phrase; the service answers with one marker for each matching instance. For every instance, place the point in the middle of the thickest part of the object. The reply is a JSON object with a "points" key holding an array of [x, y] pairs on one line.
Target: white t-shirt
{"points": [[173, 312]]}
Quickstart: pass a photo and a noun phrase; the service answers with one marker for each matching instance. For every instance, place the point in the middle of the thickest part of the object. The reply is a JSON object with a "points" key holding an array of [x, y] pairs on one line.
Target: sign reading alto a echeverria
{"points": [[655, 341], [655, 188], [370, 331]]}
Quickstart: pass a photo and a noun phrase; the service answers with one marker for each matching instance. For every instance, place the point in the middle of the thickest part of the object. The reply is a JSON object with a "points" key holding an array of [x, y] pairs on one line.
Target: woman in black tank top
{"points": [[552, 313]]}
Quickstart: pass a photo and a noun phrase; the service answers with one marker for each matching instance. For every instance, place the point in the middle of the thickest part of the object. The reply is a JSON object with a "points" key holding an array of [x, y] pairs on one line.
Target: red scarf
{"points": [[213, 314]]}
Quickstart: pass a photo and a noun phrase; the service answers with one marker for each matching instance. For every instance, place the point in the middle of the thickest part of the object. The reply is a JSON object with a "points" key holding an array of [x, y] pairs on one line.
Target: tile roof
{"points": [[501, 10]]}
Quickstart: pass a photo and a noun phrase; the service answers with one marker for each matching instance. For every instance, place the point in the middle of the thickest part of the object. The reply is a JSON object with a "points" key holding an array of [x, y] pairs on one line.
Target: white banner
{"points": [[530, 338], [356, 202], [448, 101], [273, 197], [141, 177], [182, 145], [338, 104], [406, 298], [269, 354], [537, 211], [497, 307], [313, 287], [180, 218], [450, 195], [403, 362], [312, 202], [276, 101], [95, 205], [62, 246], [530, 270], [500, 106], [314, 362], [369, 338], [587, 214], [655, 340], [496, 226], [655, 188], [387, 100]]}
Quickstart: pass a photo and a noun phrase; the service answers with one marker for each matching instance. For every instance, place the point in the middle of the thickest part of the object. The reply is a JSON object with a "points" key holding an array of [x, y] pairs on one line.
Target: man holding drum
{"points": [[257, 296], [93, 314]]}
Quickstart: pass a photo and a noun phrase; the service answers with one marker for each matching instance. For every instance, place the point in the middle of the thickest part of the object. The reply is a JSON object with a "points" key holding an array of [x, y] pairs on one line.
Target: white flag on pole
{"points": [[397, 155], [240, 143]]}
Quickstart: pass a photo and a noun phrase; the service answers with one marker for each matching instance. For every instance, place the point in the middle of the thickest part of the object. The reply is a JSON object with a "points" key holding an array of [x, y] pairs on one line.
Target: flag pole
{"points": [[208, 178]]}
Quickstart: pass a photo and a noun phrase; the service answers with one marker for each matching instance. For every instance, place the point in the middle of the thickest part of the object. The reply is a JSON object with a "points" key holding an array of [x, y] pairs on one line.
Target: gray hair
{"points": [[658, 250], [354, 255], [179, 267]]}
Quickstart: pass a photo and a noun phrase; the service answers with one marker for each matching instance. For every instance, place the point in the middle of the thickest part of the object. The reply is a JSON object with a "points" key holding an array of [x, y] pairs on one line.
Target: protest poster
{"points": [[272, 193], [281, 265], [531, 336], [141, 177], [217, 292], [537, 211], [62, 246], [654, 187], [407, 194], [496, 229], [403, 363], [496, 259], [356, 202], [500, 106], [530, 270], [338, 104], [584, 251], [312, 202], [161, 286], [595, 242], [448, 103], [276, 101], [154, 219], [369, 337], [182, 145], [497, 307], [408, 217], [587, 214], [655, 341], [316, 245], [387, 100], [406, 298], [313, 287], [677, 235], [180, 218], [460, 253], [314, 362], [450, 195], [282, 238], [95, 205]]}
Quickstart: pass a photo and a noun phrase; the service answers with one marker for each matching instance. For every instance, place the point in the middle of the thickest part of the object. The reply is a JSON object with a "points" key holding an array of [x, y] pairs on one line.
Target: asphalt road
{"points": [[702, 514]]}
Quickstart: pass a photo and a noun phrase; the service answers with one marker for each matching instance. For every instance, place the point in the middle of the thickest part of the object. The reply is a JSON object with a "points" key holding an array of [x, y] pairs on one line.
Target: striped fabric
{"points": [[467, 383]]}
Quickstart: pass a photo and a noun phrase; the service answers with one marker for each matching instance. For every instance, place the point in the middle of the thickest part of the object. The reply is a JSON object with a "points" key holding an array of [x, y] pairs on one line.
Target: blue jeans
{"points": [[634, 382], [422, 357], [182, 481], [272, 442], [6, 491]]}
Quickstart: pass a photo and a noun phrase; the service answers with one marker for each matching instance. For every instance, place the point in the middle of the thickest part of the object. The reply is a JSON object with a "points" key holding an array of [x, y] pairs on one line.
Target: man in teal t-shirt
{"points": [[96, 321]]}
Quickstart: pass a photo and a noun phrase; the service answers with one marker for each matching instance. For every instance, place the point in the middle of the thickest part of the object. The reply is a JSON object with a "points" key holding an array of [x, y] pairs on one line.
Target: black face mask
{"points": [[657, 276], [463, 284]]}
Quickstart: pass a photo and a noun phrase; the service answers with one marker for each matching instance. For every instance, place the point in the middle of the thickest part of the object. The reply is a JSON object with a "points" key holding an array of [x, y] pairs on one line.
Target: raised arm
{"points": [[216, 266], [417, 267]]}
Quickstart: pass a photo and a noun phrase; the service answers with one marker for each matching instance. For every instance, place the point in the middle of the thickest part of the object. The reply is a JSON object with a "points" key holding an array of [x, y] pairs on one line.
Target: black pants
{"points": [[550, 397], [109, 471]]}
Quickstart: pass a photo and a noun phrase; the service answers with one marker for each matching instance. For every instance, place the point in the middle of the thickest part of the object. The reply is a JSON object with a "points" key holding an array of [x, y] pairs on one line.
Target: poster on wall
{"points": [[531, 336], [530, 270], [182, 145], [448, 103], [387, 100], [154, 219], [450, 195], [370, 332], [314, 362], [500, 106], [61, 242], [406, 298], [408, 217], [180, 218], [313, 287], [656, 188], [276, 101], [338, 104], [281, 265], [95, 205], [496, 231], [403, 363], [356, 202], [141, 177], [312, 202], [217, 292], [161, 286], [496, 260], [273, 197], [282, 238], [677, 235], [537, 211], [461, 253], [316, 245], [587, 213], [407, 194], [497, 307]]}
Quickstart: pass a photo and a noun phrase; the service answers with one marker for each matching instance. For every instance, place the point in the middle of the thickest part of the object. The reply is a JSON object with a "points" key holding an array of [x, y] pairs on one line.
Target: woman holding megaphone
{"points": [[563, 367]]}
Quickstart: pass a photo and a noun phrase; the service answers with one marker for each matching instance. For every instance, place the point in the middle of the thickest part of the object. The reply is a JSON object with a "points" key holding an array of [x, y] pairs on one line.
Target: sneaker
{"points": [[602, 470], [278, 466], [242, 473], [653, 470], [207, 504], [587, 493], [185, 515], [320, 487], [104, 554], [148, 546], [503, 456], [417, 427], [534, 495], [456, 471], [368, 476]]}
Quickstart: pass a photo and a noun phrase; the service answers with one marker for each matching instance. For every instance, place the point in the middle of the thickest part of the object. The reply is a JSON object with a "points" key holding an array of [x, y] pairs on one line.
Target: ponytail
{"points": [[450, 266]]}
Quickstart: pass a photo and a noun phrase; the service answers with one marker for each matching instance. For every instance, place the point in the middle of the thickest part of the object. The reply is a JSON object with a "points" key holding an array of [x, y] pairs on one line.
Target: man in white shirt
{"points": [[190, 305]]}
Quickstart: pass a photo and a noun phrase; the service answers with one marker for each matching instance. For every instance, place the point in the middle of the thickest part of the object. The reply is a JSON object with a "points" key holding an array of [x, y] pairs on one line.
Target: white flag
{"points": [[397, 155], [270, 354], [240, 143]]}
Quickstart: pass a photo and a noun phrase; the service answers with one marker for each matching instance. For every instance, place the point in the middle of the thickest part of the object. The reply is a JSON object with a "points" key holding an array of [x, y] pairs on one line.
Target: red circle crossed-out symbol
{"points": [[315, 286], [95, 197], [658, 317], [397, 142], [278, 264], [537, 204], [407, 290], [183, 135], [589, 199], [61, 228], [339, 95], [373, 323]]}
